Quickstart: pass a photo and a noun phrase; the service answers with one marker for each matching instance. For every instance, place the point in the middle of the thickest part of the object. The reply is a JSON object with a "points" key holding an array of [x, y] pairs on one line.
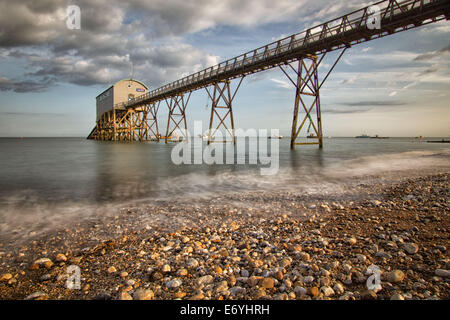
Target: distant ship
{"points": [[364, 136], [378, 137], [276, 137]]}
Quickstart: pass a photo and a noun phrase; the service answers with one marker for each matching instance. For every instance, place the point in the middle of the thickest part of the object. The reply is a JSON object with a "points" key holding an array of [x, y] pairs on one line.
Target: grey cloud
{"points": [[27, 85], [430, 55], [362, 106], [380, 103], [345, 111], [146, 31]]}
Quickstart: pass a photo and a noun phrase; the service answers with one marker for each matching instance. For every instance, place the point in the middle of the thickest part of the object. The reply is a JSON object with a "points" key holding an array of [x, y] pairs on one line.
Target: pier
{"points": [[302, 53]]}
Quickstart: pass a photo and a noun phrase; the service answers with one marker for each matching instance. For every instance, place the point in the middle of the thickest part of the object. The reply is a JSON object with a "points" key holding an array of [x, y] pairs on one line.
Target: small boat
{"points": [[364, 136], [378, 137], [276, 137]]}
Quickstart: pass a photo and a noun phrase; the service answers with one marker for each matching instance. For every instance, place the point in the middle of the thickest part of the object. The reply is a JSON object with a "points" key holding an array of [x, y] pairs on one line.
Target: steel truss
{"points": [[222, 107], [177, 115], [307, 95]]}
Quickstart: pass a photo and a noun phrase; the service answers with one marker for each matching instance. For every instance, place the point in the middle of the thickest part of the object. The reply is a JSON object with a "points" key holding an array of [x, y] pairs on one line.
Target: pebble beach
{"points": [[254, 245]]}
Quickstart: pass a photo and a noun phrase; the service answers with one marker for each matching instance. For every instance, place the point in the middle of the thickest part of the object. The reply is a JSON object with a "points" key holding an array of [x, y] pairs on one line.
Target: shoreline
{"points": [[253, 246]]}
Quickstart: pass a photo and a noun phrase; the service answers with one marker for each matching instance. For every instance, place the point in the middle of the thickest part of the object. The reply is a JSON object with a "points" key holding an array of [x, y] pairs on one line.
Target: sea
{"points": [[47, 180]]}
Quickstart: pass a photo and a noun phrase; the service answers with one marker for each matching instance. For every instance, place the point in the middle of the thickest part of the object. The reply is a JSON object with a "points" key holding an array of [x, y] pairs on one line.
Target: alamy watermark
{"points": [[73, 281], [73, 17], [256, 147], [374, 281], [373, 21]]}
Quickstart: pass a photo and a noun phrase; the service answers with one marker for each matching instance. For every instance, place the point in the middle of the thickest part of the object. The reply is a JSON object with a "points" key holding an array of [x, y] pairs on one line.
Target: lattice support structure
{"points": [[307, 107], [177, 118], [134, 124], [222, 108]]}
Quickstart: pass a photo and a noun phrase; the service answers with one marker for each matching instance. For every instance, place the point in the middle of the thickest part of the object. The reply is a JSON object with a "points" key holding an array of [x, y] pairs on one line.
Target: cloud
{"points": [[380, 103], [345, 111], [362, 106], [430, 55], [23, 86], [113, 33], [282, 83]]}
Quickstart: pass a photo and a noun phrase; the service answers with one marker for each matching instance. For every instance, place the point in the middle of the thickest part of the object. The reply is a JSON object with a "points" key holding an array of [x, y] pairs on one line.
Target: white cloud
{"points": [[282, 83]]}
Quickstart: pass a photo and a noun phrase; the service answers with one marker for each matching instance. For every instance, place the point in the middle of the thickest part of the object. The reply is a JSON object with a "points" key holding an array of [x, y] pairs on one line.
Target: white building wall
{"points": [[105, 102]]}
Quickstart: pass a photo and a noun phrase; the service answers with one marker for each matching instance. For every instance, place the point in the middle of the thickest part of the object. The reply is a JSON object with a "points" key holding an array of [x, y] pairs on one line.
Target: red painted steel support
{"points": [[307, 96]]}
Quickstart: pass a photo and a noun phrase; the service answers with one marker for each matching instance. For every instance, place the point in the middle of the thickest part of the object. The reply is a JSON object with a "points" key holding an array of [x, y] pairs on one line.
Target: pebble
{"points": [[442, 273], [182, 272], [300, 291], [60, 257], [339, 288], [308, 279], [205, 280], [46, 262], [411, 248], [382, 254], [395, 276], [38, 295], [5, 277], [327, 291], [314, 291], [245, 273], [192, 263], [267, 283], [179, 295], [397, 296], [125, 296], [166, 268], [143, 294], [175, 283], [369, 295], [112, 269]]}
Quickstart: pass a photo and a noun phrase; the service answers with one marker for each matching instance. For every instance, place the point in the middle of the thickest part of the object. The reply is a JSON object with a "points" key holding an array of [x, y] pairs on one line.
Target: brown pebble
{"points": [[314, 291], [5, 277], [180, 295], [267, 283]]}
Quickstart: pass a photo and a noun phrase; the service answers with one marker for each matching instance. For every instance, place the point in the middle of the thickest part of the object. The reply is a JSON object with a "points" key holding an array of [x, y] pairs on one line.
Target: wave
{"points": [[24, 215]]}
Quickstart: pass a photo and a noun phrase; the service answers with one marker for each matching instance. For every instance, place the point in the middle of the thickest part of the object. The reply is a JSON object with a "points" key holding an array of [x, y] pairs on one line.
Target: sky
{"points": [[50, 74]]}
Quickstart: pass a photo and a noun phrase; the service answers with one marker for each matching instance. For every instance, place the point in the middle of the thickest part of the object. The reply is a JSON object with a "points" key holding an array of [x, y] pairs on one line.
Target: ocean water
{"points": [[47, 180]]}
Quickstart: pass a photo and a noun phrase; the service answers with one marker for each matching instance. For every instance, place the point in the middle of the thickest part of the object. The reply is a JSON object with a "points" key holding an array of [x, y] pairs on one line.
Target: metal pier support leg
{"points": [[177, 116], [222, 98], [153, 120], [307, 97]]}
